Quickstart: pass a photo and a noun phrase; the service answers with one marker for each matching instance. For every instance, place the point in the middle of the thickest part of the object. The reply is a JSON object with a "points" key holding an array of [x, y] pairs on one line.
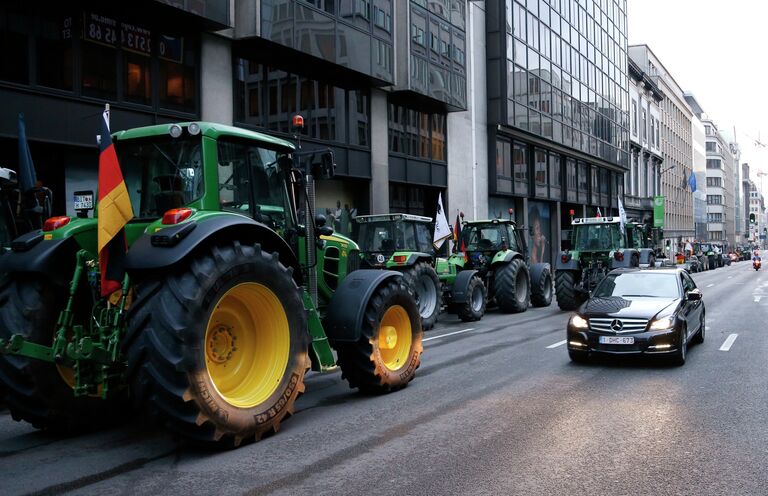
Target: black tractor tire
{"points": [[366, 364], [565, 286], [423, 281], [474, 308], [541, 286], [512, 283], [35, 390], [218, 309]]}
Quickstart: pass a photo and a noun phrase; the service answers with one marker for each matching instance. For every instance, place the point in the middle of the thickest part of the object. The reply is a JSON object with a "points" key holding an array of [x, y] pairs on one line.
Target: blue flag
{"points": [[692, 182], [26, 172]]}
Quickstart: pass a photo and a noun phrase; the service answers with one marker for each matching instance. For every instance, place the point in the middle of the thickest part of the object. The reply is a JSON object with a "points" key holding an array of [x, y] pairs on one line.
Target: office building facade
{"points": [[557, 111]]}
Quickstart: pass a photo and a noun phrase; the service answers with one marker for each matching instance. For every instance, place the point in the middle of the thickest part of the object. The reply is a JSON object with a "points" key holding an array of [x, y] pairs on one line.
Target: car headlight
{"points": [[663, 323], [579, 322]]}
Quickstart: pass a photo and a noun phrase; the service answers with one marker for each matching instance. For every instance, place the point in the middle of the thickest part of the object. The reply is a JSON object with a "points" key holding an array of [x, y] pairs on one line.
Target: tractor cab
{"points": [[598, 235], [387, 240], [482, 240]]}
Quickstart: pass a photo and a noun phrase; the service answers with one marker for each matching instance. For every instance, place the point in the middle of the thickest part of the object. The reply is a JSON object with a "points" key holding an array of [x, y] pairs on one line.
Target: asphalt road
{"points": [[496, 408]]}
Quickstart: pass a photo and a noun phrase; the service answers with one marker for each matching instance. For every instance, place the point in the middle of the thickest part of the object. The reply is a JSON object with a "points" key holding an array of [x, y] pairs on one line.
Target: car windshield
{"points": [[161, 173], [639, 284], [389, 236], [590, 237]]}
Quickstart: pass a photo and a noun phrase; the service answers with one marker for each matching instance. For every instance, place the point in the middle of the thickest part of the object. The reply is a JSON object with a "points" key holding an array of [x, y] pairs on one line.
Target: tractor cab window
{"points": [[483, 237], [423, 238], [592, 237], [251, 183], [161, 173], [388, 237]]}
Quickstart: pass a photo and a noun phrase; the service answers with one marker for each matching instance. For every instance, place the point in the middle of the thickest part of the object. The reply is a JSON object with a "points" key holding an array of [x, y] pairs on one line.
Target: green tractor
{"points": [[495, 252], [598, 246], [403, 242], [234, 290], [642, 238]]}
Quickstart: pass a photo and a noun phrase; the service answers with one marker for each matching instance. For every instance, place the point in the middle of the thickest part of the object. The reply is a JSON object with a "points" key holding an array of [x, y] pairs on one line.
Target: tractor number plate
{"points": [[83, 202]]}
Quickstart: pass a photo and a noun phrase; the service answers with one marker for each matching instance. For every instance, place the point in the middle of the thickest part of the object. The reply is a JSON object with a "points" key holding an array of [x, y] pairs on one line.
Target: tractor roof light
{"points": [[55, 222], [176, 216], [174, 130], [193, 129]]}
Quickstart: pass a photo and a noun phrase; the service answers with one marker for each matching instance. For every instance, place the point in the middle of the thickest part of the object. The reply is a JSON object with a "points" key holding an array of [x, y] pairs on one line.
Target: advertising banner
{"points": [[658, 211]]}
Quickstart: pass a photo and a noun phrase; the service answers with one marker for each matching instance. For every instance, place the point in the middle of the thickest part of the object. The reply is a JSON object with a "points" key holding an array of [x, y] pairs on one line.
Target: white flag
{"points": [[622, 215], [442, 228]]}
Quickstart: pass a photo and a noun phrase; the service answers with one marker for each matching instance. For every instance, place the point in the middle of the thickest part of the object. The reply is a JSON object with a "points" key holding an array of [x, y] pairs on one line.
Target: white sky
{"points": [[719, 52]]}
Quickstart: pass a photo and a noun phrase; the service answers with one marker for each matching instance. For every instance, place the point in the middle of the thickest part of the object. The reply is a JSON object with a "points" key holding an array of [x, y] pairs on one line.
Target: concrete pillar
{"points": [[216, 88], [379, 153], [556, 234]]}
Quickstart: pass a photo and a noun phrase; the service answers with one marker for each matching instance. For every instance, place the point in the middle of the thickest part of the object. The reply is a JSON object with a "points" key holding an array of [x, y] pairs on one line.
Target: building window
{"points": [[555, 180], [540, 171], [583, 178], [714, 163], [177, 77], [99, 71], [54, 53], [571, 180], [138, 87], [520, 164], [503, 167], [715, 181], [714, 199], [645, 127], [634, 117], [711, 146], [418, 134]]}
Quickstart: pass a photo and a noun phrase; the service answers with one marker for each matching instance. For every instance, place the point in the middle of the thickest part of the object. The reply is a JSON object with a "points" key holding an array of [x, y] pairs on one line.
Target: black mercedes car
{"points": [[648, 312]]}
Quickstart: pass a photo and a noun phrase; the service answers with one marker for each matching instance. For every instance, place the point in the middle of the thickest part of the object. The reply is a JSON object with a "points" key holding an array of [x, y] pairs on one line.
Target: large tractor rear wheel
{"points": [[568, 298], [386, 356], [423, 280], [474, 308], [217, 350], [513, 287], [41, 392], [541, 282]]}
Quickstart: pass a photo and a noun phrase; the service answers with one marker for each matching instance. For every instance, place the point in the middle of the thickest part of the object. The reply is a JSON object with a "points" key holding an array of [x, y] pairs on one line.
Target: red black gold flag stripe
{"points": [[114, 212]]}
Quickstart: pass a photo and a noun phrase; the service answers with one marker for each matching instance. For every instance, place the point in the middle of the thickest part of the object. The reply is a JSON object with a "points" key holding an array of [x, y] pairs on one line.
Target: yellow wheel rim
{"points": [[395, 337], [247, 344], [67, 375]]}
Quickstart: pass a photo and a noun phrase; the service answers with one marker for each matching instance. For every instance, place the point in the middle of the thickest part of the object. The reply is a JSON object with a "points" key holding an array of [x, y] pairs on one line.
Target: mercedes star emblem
{"points": [[617, 325]]}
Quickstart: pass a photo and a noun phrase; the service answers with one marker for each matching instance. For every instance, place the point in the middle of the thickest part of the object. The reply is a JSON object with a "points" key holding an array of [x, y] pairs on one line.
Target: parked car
{"points": [[641, 312], [692, 265]]}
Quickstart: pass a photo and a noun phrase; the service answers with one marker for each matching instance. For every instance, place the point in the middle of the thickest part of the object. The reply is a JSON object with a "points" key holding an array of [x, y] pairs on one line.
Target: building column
{"points": [[216, 85], [379, 153]]}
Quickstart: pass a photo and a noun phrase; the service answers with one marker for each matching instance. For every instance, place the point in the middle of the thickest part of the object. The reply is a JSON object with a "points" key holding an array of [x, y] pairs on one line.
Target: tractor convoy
{"points": [[234, 288]]}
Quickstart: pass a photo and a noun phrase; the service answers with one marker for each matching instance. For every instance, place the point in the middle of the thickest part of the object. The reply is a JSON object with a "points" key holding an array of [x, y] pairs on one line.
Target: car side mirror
{"points": [[693, 295]]}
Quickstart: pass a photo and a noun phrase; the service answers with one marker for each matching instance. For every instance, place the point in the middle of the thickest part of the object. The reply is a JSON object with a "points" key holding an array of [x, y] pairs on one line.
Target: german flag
{"points": [[114, 212]]}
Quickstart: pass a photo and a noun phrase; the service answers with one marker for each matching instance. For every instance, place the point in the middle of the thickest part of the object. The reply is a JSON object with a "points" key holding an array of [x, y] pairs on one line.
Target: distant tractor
{"points": [[496, 252], [598, 246], [403, 242], [641, 237]]}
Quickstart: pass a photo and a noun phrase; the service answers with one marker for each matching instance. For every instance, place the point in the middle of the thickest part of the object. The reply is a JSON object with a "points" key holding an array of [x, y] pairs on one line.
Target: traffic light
{"points": [[751, 218]]}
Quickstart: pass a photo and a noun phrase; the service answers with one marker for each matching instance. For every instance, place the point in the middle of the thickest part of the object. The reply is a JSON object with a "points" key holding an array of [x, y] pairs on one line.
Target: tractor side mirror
{"points": [[324, 231], [320, 220]]}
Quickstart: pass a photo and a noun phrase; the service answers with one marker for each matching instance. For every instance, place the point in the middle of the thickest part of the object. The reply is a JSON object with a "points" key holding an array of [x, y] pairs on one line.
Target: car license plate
{"points": [[616, 340], [83, 202]]}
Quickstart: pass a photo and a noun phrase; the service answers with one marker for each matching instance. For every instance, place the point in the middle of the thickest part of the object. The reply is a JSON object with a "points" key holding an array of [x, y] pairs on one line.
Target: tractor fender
{"points": [[346, 310], [537, 272], [571, 264], [505, 256], [460, 285], [31, 253], [152, 251], [645, 255], [627, 262]]}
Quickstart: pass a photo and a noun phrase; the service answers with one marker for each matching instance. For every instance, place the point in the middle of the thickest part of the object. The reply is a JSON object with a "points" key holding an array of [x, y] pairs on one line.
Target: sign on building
{"points": [[658, 211]]}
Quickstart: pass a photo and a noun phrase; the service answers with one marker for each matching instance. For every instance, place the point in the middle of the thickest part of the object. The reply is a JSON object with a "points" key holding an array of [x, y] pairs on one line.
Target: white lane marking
{"points": [[559, 343], [730, 277], [710, 285], [448, 334], [728, 342], [757, 299]]}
